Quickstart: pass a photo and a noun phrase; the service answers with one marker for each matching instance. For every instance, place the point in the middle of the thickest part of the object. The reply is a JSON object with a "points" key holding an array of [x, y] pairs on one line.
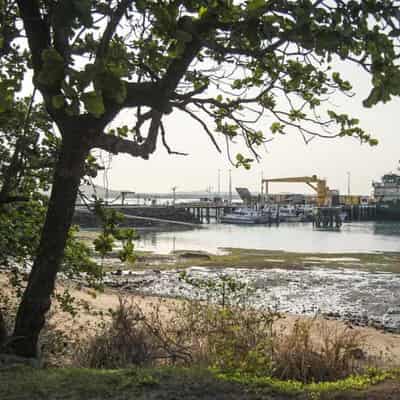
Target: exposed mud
{"points": [[361, 297]]}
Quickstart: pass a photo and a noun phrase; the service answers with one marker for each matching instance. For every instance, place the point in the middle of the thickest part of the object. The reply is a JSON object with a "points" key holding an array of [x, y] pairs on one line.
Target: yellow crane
{"points": [[317, 184]]}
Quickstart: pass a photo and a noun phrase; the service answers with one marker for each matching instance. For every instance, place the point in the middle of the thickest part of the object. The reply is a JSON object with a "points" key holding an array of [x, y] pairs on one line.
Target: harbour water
{"points": [[359, 295], [300, 237]]}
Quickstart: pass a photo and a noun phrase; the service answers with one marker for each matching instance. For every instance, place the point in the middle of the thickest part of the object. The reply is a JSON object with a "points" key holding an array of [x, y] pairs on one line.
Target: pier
{"points": [[360, 212], [207, 212]]}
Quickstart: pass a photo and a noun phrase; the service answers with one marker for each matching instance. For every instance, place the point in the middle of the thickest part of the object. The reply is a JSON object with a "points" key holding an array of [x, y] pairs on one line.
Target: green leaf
{"points": [[52, 71], [373, 142], [58, 101], [202, 11], [254, 5], [277, 127], [94, 103]]}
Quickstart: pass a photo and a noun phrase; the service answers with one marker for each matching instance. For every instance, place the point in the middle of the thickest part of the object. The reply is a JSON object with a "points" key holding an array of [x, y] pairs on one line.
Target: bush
{"points": [[299, 355], [123, 341], [8, 307], [223, 333]]}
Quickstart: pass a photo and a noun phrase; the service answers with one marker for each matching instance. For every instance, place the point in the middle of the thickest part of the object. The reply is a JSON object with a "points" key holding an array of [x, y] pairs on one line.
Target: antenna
{"points": [[230, 187], [174, 194]]}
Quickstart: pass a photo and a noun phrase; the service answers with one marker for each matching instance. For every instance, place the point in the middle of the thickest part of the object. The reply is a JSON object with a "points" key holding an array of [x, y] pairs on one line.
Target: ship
{"points": [[246, 216], [387, 197]]}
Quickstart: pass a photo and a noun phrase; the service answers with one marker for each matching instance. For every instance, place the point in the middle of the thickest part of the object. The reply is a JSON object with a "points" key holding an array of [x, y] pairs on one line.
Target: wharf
{"points": [[194, 213], [360, 212], [138, 216]]}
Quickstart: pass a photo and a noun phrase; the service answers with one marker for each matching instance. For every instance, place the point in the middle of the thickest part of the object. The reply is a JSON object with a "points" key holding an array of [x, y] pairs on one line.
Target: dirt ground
{"points": [[379, 346]]}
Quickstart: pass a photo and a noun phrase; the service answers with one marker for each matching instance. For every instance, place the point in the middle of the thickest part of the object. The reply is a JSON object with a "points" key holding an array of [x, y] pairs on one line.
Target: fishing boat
{"points": [[289, 213], [246, 216]]}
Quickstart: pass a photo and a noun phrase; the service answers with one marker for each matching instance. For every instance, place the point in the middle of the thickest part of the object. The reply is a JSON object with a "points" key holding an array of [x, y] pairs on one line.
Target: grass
{"points": [[69, 383], [356, 382], [253, 258], [245, 258], [262, 259], [23, 383]]}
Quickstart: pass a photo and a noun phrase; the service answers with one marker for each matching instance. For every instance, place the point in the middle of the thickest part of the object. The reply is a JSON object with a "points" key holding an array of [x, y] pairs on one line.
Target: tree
{"points": [[231, 62]]}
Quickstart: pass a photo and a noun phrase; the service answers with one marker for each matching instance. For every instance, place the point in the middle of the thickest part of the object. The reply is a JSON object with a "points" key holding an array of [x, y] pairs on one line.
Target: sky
{"points": [[340, 161]]}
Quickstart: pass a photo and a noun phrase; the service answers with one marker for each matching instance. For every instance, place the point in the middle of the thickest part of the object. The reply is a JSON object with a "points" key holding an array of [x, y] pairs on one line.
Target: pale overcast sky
{"points": [[286, 155]]}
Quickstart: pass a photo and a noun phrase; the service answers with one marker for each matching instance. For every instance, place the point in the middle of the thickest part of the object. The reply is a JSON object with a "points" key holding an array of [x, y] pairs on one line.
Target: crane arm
{"points": [[320, 186], [312, 186], [304, 179]]}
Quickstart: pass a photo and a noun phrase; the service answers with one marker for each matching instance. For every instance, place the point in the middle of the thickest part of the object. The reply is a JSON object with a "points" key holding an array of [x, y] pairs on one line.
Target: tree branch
{"points": [[164, 141], [116, 145], [111, 27], [36, 29], [204, 125]]}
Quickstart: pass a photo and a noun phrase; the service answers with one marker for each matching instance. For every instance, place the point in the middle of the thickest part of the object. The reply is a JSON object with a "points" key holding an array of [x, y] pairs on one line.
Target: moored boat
{"points": [[246, 216]]}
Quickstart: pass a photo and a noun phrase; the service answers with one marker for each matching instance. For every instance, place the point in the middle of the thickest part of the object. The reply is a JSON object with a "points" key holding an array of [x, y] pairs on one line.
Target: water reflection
{"points": [[354, 237], [387, 228]]}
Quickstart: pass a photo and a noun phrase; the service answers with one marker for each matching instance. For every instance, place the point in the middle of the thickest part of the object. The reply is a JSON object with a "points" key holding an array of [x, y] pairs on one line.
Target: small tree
{"points": [[220, 61]]}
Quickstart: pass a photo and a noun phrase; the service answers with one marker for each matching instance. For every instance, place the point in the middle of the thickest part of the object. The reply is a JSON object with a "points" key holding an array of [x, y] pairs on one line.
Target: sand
{"points": [[378, 344]]}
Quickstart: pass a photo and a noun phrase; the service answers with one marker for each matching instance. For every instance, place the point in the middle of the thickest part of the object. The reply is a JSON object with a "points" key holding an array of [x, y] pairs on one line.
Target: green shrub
{"points": [[225, 334]]}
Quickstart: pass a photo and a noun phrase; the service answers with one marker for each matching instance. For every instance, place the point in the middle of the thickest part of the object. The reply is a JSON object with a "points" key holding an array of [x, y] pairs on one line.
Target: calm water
{"points": [[354, 237], [358, 296]]}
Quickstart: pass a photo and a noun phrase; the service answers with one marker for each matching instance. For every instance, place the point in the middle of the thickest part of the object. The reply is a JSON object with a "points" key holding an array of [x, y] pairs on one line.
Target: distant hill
{"points": [[101, 192]]}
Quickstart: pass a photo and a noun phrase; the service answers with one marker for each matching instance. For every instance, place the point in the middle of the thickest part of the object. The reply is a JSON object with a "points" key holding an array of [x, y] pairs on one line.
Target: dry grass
{"points": [[229, 339], [336, 354], [123, 341]]}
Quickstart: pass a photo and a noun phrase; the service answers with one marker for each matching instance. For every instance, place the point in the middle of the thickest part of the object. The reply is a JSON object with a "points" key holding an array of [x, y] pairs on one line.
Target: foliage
{"points": [[225, 334], [355, 382], [180, 383], [125, 341], [336, 354], [169, 57], [227, 65], [111, 231], [20, 227]]}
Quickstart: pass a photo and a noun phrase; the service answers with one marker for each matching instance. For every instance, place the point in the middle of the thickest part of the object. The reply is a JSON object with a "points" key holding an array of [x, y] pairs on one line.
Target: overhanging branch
{"points": [[111, 27], [36, 29], [116, 145], [204, 125]]}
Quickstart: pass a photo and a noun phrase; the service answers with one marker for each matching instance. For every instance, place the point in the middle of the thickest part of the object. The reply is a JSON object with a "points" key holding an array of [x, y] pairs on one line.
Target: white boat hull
{"points": [[246, 217]]}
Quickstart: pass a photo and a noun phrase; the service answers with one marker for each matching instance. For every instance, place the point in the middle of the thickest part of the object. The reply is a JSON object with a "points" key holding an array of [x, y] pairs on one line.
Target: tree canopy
{"points": [[230, 61], [226, 64]]}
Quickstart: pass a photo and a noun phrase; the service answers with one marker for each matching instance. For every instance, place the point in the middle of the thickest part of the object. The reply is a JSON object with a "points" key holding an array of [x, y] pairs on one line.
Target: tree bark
{"points": [[3, 330], [36, 300]]}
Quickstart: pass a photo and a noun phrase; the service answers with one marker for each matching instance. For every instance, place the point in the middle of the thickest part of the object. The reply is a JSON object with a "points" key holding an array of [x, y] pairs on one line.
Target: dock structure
{"points": [[327, 218], [190, 212], [360, 212], [207, 211]]}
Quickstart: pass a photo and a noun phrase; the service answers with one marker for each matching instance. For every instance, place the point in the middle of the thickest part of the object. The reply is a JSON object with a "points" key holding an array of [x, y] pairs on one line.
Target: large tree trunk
{"points": [[3, 330], [36, 300]]}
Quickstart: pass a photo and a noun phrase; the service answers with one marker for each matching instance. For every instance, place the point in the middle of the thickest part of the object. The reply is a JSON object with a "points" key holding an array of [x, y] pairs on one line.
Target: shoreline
{"points": [[380, 346]]}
